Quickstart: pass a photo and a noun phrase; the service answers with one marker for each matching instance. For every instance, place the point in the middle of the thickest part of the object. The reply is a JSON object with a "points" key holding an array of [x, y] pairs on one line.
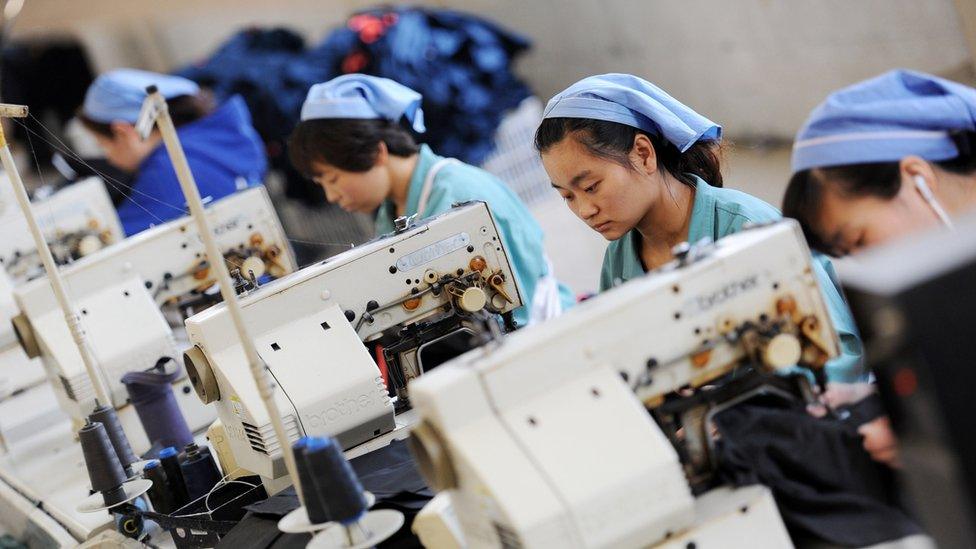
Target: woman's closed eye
{"points": [[592, 188]]}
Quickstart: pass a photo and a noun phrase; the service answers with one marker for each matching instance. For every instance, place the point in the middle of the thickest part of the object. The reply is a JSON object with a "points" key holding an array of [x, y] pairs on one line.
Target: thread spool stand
{"points": [[297, 521], [335, 500], [370, 530]]}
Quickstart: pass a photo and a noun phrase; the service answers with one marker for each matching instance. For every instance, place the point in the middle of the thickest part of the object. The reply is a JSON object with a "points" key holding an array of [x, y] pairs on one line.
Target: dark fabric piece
{"points": [[389, 473], [825, 484]]}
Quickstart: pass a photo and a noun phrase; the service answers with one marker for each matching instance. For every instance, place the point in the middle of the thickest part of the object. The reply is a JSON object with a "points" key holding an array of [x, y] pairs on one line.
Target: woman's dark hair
{"points": [[614, 141], [350, 144], [805, 191], [183, 109]]}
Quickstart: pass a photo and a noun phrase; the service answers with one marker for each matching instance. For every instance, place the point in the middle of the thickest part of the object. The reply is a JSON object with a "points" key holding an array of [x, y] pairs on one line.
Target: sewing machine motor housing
{"points": [[544, 438], [310, 329]]}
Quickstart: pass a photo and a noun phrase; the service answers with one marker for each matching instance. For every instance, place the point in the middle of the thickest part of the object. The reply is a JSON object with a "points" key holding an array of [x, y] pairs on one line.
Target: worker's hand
{"points": [[880, 441], [840, 394]]}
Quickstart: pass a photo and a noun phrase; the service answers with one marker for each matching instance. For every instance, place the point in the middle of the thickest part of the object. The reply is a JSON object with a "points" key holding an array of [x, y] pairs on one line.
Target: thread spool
{"points": [[159, 494], [314, 515], [104, 469], [200, 472], [151, 392], [334, 481], [314, 505], [107, 416], [170, 462]]}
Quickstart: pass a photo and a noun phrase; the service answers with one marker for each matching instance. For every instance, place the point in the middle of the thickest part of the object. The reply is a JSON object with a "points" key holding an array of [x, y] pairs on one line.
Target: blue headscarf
{"points": [[364, 96], [884, 119], [118, 94], [635, 102]]}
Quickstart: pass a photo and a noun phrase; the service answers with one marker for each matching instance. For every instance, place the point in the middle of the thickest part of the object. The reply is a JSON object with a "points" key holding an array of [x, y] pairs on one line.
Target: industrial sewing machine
{"points": [[408, 291], [120, 290], [77, 221], [568, 434]]}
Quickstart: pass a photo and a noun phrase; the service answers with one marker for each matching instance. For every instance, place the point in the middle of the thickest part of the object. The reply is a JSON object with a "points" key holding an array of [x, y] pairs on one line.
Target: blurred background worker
{"points": [[882, 158], [356, 140], [221, 146]]}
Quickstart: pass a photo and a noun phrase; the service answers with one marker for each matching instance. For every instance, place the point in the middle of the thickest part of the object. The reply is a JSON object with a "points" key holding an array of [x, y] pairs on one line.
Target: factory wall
{"points": [[756, 66]]}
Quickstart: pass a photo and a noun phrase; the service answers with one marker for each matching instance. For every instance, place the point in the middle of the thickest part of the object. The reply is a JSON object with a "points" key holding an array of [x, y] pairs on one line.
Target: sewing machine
{"points": [[120, 290], [424, 283], [77, 220], [544, 438]]}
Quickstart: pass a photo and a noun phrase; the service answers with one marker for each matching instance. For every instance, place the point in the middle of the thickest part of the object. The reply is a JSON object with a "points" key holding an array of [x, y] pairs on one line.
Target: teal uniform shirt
{"points": [[521, 234], [718, 212]]}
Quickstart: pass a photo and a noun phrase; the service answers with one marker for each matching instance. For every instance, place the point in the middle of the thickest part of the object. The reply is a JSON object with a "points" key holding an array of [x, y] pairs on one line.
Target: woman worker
{"points": [[882, 158], [355, 140], [222, 148], [875, 161], [642, 169]]}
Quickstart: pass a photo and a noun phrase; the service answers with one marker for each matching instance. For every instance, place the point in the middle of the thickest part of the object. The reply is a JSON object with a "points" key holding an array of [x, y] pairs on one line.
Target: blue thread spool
{"points": [[334, 481], [151, 392], [174, 477], [200, 472], [104, 469]]}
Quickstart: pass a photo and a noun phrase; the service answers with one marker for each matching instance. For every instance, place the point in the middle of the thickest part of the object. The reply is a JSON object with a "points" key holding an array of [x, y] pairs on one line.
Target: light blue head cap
{"points": [[364, 96], [633, 101], [118, 94], [884, 119]]}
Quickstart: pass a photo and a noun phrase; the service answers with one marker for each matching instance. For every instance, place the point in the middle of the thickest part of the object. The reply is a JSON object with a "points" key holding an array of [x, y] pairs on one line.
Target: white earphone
{"points": [[929, 197]]}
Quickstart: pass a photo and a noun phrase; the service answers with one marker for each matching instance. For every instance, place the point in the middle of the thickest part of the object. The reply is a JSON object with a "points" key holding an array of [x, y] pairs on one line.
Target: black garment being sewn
{"points": [[825, 484]]}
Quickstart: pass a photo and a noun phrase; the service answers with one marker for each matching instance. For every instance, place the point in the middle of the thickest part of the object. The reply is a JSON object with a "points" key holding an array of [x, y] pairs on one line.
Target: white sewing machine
{"points": [[77, 220], [309, 328], [119, 292], [543, 439]]}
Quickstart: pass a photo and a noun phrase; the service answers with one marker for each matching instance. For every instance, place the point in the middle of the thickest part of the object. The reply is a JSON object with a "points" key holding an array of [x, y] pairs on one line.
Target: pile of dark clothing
{"points": [[461, 64]]}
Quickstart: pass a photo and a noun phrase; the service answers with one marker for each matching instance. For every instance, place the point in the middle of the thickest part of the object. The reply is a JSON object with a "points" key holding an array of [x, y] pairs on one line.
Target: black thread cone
{"points": [[107, 416], [200, 472], [334, 480], [314, 505], [104, 470]]}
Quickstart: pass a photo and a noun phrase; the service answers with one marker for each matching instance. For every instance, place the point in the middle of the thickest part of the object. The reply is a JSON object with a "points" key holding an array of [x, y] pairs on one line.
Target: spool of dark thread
{"points": [[200, 472], [151, 392], [170, 462], [159, 494], [334, 481], [109, 418], [314, 505], [104, 469]]}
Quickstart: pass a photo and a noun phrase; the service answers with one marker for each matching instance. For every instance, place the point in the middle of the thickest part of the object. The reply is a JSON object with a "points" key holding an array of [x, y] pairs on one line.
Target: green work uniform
{"points": [[521, 234], [718, 212]]}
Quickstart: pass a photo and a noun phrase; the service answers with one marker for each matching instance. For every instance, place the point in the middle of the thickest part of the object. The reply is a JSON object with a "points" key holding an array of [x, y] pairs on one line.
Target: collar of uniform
{"points": [[702, 212], [426, 159], [700, 226]]}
